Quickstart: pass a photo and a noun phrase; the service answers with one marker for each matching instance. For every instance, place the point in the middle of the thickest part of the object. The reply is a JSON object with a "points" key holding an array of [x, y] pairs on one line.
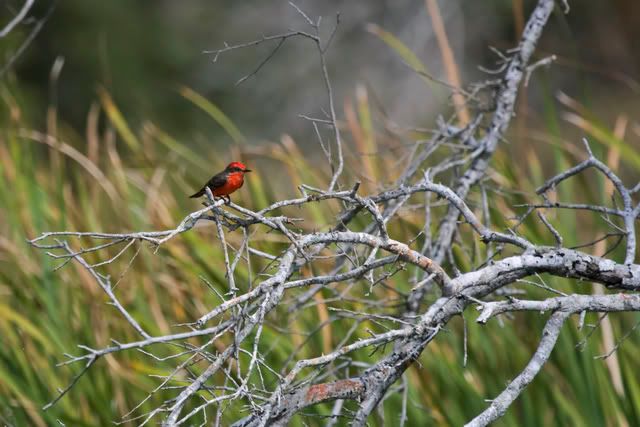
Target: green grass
{"points": [[124, 178]]}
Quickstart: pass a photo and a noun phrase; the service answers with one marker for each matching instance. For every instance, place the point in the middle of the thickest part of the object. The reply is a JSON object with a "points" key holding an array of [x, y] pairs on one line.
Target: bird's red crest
{"points": [[238, 165]]}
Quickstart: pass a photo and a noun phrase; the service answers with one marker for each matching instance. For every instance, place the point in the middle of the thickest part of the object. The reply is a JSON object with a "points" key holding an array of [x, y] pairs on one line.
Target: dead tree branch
{"points": [[356, 269]]}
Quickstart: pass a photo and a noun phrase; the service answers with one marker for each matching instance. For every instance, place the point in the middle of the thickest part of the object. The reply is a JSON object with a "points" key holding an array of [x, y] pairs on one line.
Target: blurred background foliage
{"points": [[113, 115]]}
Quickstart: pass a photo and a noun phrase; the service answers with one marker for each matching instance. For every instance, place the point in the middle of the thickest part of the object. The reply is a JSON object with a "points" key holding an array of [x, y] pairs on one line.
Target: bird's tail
{"points": [[198, 194]]}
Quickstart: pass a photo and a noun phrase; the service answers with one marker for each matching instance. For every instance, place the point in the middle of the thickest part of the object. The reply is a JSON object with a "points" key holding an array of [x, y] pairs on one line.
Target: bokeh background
{"points": [[142, 51], [113, 114]]}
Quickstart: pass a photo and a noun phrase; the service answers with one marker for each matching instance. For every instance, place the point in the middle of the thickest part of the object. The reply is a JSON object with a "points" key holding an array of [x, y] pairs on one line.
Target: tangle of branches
{"points": [[224, 350]]}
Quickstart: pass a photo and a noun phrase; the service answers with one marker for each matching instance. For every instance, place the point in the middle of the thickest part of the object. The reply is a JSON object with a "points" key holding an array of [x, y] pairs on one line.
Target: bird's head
{"points": [[237, 167]]}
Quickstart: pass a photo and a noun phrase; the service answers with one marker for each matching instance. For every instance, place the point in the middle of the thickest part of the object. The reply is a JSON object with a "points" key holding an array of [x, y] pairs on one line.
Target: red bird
{"points": [[225, 182]]}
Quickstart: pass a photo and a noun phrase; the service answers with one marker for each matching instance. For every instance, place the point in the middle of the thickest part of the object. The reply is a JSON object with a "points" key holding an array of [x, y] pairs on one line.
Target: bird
{"points": [[226, 182]]}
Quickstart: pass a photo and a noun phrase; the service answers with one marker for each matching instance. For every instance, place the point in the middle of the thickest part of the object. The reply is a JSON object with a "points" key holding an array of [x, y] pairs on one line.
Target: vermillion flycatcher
{"points": [[225, 182]]}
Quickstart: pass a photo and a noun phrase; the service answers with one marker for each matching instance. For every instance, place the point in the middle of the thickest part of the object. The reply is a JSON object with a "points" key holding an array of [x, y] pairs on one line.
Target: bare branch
{"points": [[499, 122], [17, 19], [567, 304], [500, 404]]}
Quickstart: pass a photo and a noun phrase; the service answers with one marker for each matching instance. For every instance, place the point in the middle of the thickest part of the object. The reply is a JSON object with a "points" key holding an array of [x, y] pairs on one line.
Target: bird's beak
{"points": [[247, 170]]}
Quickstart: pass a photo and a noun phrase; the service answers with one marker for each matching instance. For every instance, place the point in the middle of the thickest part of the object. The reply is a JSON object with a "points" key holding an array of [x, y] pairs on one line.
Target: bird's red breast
{"points": [[234, 181]]}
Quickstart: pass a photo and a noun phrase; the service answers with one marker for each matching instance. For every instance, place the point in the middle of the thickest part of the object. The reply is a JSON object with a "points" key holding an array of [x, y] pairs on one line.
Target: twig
{"points": [[500, 404]]}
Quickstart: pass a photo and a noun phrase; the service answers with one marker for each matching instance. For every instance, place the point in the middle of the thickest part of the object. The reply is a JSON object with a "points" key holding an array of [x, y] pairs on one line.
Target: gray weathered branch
{"points": [[350, 266]]}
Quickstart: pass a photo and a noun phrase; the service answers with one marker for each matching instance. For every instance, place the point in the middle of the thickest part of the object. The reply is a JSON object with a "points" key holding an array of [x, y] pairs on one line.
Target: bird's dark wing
{"points": [[216, 181]]}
